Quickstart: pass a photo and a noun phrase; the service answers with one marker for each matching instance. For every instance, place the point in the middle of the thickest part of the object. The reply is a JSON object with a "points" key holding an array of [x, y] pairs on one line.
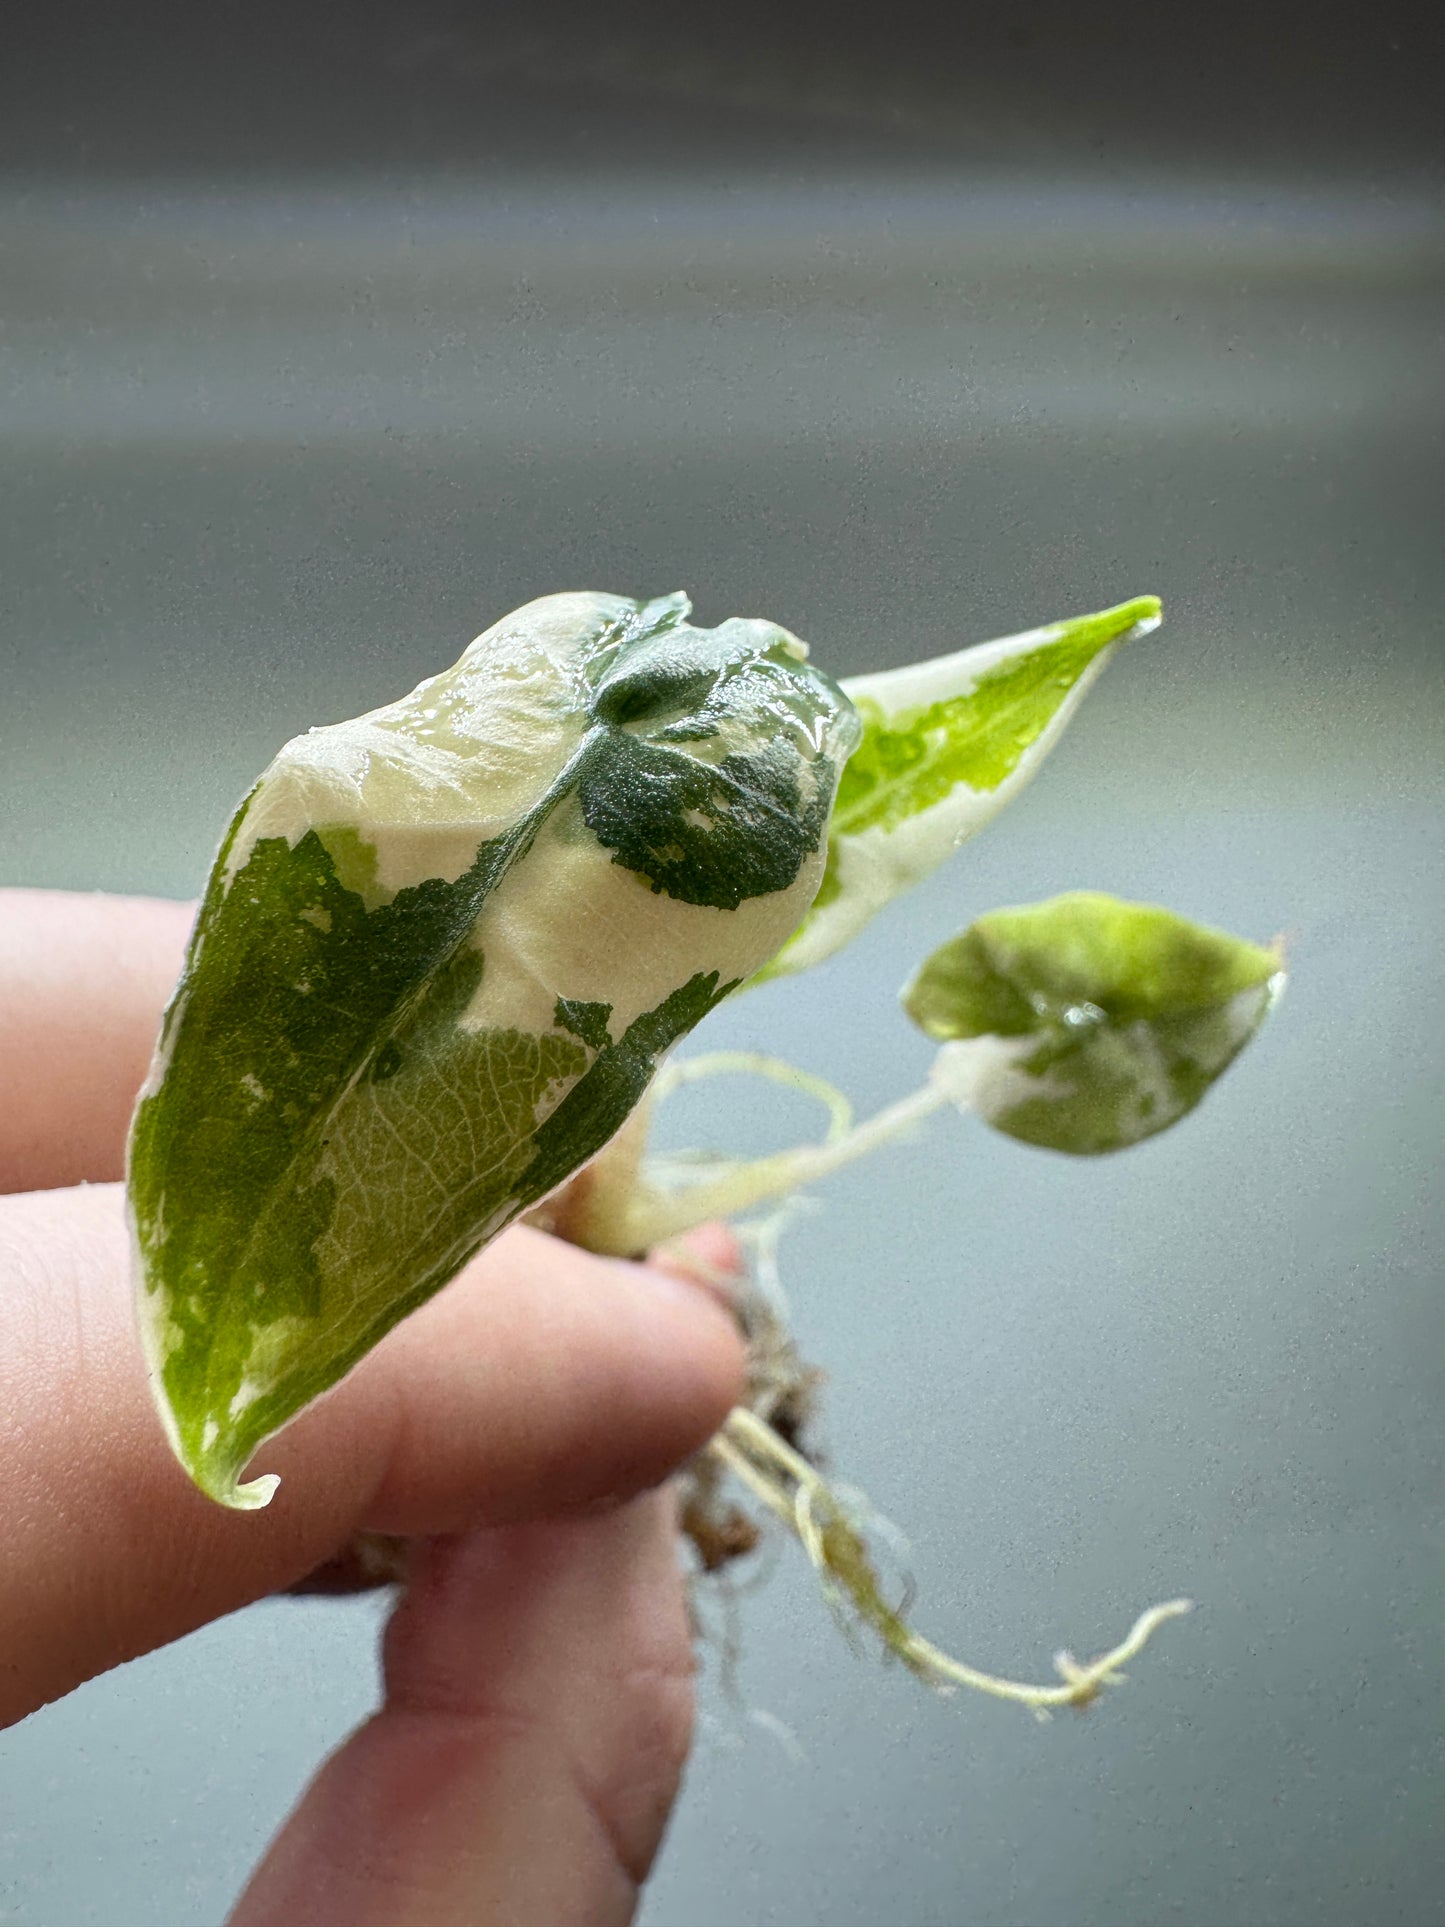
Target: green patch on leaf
{"points": [[1115, 1017], [704, 775], [913, 759], [603, 1099], [584, 1020]]}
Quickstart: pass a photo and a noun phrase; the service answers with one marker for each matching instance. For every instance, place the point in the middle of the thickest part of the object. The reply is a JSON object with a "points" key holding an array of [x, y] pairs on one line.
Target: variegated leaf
{"points": [[1105, 1021], [442, 950]]}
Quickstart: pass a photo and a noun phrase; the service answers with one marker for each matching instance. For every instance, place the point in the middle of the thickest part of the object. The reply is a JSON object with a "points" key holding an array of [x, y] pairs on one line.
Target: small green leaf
{"points": [[946, 745], [440, 954], [1114, 1018]]}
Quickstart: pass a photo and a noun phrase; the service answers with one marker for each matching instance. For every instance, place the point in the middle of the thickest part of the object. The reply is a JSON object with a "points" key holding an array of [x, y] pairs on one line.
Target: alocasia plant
{"points": [[446, 945], [441, 952]]}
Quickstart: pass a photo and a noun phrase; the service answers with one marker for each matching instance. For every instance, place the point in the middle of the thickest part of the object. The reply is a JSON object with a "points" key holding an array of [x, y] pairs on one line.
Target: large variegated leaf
{"points": [[1107, 1021], [440, 954], [946, 744]]}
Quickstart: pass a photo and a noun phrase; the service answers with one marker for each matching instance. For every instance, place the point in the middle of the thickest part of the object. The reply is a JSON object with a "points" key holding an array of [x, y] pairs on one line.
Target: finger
{"points": [[83, 982], [537, 1715], [710, 1257], [540, 1379]]}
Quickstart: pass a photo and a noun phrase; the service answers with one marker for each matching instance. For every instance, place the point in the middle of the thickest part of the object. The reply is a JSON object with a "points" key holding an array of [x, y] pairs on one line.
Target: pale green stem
{"points": [[752, 1063], [628, 1215], [655, 1215]]}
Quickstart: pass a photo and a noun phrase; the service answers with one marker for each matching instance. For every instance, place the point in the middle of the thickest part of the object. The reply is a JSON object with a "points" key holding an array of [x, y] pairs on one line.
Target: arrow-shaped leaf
{"points": [[440, 954]]}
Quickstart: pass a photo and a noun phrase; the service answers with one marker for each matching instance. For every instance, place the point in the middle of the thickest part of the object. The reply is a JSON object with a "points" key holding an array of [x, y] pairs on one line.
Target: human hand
{"points": [[538, 1697]]}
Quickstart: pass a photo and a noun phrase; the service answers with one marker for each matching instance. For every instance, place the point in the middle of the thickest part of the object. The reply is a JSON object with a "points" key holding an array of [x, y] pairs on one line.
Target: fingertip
{"points": [[539, 1707], [709, 1256], [684, 1368], [542, 1380]]}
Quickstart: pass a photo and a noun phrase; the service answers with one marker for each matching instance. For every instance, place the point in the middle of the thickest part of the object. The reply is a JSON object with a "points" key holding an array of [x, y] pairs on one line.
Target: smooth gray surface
{"points": [[272, 453]]}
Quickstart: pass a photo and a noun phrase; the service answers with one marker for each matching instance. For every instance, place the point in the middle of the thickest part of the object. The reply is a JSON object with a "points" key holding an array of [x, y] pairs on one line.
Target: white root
{"points": [[794, 1491]]}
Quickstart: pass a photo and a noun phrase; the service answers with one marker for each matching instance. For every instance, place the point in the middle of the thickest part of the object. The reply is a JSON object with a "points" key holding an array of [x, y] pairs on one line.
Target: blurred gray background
{"points": [[329, 334]]}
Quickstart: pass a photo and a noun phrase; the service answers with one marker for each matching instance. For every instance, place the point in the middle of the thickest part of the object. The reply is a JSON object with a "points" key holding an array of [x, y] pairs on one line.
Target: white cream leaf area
{"points": [[425, 780]]}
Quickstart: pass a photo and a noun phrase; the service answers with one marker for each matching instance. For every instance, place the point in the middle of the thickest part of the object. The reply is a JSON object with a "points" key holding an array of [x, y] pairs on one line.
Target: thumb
{"points": [[538, 1712]]}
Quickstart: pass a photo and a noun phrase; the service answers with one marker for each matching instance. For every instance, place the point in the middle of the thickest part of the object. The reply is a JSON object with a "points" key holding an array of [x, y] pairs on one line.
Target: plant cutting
{"points": [[447, 946]]}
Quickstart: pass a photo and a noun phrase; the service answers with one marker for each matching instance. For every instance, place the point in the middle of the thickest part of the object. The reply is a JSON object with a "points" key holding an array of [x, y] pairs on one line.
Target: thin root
{"points": [[797, 1493]]}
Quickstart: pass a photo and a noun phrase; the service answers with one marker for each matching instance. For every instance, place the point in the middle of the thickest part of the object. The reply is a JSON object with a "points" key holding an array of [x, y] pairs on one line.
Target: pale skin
{"points": [[538, 1669]]}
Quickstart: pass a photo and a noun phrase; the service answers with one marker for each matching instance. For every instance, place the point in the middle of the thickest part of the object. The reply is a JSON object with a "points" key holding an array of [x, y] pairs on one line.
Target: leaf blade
{"points": [[406, 1013]]}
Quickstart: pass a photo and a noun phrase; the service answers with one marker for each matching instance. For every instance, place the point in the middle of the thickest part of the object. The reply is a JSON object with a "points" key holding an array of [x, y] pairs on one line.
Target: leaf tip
{"points": [[214, 1471], [1148, 612], [1127, 621], [251, 1495]]}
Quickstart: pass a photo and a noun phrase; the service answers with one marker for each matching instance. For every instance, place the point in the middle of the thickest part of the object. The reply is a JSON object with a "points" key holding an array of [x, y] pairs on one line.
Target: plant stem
{"points": [[611, 1207], [655, 1215]]}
